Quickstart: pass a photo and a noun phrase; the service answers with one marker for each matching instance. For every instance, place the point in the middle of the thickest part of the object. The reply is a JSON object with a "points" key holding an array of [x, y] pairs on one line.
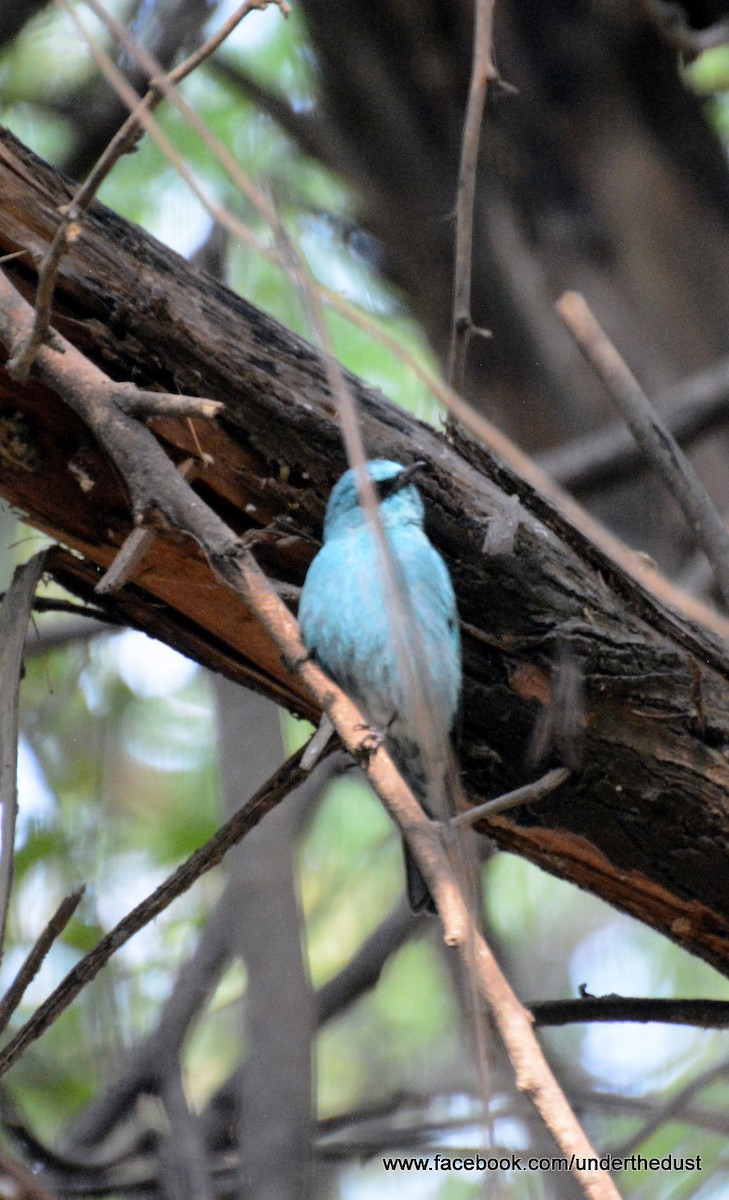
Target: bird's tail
{"points": [[419, 897]]}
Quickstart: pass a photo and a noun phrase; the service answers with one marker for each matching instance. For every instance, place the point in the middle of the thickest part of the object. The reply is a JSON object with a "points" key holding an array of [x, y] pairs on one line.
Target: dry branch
{"points": [[643, 822], [200, 861], [705, 1014], [482, 70], [37, 954], [69, 229], [155, 486], [14, 615], [651, 434]]}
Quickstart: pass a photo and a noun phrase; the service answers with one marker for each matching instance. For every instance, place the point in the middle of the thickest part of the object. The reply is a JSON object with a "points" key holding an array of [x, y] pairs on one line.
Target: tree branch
{"points": [[695, 406], [154, 484], [33, 962], [123, 141], [481, 72], [707, 1014], [199, 862], [14, 615], [651, 434], [653, 720]]}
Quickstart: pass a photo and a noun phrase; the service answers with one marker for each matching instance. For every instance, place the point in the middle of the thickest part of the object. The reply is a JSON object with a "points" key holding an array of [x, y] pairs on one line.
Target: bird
{"points": [[404, 675]]}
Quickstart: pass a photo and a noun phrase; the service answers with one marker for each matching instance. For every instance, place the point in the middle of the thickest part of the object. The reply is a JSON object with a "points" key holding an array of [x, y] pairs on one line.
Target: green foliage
{"points": [[708, 75]]}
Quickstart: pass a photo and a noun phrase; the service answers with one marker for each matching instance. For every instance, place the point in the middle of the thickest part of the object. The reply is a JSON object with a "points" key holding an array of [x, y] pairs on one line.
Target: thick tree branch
{"points": [[155, 485], [531, 585]]}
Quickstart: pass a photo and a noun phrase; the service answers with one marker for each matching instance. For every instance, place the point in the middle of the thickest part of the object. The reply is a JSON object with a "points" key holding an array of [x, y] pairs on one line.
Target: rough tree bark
{"points": [[642, 822], [598, 171]]}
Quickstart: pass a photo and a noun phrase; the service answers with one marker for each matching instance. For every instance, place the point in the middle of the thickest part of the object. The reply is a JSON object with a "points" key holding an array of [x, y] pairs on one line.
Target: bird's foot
{"points": [[372, 740], [295, 664]]}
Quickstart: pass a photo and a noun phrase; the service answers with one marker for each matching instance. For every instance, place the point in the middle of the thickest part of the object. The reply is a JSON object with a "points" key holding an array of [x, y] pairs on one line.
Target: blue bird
{"points": [[406, 684]]}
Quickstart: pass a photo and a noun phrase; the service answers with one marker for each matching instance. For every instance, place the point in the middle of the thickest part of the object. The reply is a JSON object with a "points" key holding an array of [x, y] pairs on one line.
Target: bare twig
{"points": [[32, 964], [527, 794], [120, 144], [672, 1107], [151, 1059], [482, 71], [288, 776], [139, 403], [706, 1014], [651, 433], [166, 85], [14, 616], [694, 406], [133, 551]]}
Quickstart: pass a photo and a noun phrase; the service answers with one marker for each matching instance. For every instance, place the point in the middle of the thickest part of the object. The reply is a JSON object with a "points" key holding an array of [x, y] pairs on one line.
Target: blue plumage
{"points": [[407, 686]]}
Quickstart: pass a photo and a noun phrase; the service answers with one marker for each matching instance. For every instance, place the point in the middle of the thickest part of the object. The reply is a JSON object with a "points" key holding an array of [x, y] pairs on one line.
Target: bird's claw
{"points": [[372, 740]]}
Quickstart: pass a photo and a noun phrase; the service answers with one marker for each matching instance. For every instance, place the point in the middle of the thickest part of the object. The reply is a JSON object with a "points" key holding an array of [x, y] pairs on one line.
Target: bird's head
{"points": [[399, 500]]}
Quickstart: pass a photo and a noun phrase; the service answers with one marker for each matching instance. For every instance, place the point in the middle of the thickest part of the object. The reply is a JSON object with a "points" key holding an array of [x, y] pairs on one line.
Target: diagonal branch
{"points": [[654, 669], [135, 450], [38, 952], [651, 433], [696, 405], [123, 141], [288, 776]]}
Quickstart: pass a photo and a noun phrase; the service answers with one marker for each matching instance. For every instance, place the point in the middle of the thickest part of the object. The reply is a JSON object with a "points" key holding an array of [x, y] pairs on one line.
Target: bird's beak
{"points": [[405, 476]]}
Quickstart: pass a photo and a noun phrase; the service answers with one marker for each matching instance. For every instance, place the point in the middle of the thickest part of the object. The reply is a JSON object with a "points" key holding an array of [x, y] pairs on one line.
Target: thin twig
{"points": [[288, 776], [706, 1014], [140, 403], [529, 793], [690, 408], [120, 144], [482, 71], [651, 433], [38, 952], [14, 616], [166, 85], [133, 551], [672, 1107], [151, 1058]]}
